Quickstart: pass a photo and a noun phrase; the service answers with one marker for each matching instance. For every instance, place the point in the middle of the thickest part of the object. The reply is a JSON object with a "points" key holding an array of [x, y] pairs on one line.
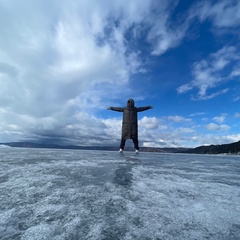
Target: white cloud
{"points": [[221, 66], [235, 72], [55, 59], [210, 139], [184, 88], [222, 13], [178, 119], [160, 143], [185, 130], [149, 123], [208, 74], [217, 127], [165, 35], [166, 38], [197, 114], [61, 60], [61, 63], [220, 119]]}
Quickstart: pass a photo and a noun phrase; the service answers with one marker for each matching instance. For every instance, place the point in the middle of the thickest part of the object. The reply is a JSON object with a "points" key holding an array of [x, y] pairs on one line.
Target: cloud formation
{"points": [[214, 127], [59, 61], [208, 74], [55, 59], [223, 14], [222, 65], [62, 63]]}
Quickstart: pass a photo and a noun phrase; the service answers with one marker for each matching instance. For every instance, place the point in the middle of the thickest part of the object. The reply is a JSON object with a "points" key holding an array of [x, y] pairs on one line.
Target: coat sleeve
{"points": [[117, 109], [141, 109]]}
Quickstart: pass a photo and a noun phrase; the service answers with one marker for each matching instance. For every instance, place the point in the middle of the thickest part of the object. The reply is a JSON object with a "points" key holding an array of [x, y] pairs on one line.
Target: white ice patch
{"points": [[39, 232]]}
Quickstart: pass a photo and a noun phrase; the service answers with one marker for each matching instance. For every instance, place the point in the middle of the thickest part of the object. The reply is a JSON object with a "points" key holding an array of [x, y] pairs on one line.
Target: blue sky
{"points": [[62, 64]]}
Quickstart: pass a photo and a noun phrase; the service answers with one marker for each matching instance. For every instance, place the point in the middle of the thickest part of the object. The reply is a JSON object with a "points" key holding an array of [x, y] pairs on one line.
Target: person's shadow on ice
{"points": [[123, 174]]}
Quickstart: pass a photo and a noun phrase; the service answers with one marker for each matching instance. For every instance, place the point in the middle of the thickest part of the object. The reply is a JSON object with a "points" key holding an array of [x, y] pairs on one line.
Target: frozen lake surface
{"points": [[62, 194]]}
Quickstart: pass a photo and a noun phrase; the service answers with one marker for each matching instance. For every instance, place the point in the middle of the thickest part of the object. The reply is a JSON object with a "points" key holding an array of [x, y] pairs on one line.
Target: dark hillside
{"points": [[231, 148]]}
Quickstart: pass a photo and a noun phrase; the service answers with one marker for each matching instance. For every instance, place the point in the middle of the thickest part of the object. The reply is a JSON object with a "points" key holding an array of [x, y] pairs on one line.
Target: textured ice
{"points": [[63, 194]]}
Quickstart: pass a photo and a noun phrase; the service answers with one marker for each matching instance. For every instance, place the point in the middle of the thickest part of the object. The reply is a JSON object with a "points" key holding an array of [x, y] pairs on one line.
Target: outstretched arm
{"points": [[140, 109], [117, 109]]}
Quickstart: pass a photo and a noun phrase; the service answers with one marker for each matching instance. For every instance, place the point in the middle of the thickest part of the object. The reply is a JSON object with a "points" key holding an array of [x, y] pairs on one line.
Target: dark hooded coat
{"points": [[130, 119]]}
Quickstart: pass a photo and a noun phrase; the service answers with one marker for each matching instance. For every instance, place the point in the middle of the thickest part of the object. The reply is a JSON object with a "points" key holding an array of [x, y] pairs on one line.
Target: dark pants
{"points": [[135, 142]]}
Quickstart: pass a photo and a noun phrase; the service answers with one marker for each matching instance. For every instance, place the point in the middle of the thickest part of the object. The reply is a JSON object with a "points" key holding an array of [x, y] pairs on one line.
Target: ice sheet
{"points": [[63, 194]]}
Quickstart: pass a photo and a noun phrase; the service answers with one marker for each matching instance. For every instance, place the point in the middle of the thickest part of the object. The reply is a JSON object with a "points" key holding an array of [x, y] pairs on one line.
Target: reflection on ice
{"points": [[60, 194]]}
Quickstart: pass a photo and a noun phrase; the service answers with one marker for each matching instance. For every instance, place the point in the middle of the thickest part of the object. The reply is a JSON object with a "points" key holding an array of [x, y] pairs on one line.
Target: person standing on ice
{"points": [[130, 123]]}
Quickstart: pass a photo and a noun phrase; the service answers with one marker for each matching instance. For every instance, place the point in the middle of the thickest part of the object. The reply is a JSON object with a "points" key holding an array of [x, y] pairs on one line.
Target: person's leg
{"points": [[123, 141], [135, 142]]}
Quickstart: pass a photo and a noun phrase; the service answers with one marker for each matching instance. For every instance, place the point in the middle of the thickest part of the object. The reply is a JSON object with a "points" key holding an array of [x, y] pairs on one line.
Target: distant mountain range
{"points": [[231, 148], [107, 148]]}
